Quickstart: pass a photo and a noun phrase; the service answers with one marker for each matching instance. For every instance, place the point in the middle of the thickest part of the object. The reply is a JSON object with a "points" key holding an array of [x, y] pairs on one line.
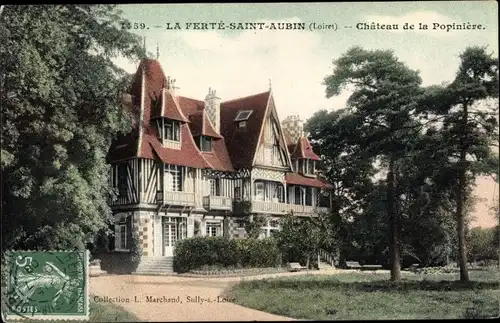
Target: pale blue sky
{"points": [[240, 63]]}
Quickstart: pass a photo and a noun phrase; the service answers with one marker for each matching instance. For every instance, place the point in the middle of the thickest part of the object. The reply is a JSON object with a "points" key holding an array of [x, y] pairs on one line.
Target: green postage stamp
{"points": [[46, 285]]}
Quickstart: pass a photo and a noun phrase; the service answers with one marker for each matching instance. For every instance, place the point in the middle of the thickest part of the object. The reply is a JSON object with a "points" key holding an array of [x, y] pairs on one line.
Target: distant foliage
{"points": [[483, 244], [198, 252]]}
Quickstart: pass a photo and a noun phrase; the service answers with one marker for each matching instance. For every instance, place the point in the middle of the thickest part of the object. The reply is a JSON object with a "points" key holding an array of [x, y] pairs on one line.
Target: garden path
{"points": [[192, 293]]}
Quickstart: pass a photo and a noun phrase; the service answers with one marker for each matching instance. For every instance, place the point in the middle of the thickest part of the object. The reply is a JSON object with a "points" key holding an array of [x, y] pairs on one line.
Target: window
{"points": [[121, 233], [213, 182], [299, 195], [172, 130], [174, 178], [205, 144], [308, 193], [259, 191], [213, 229], [237, 192], [302, 165], [122, 179], [310, 166], [243, 115], [279, 193]]}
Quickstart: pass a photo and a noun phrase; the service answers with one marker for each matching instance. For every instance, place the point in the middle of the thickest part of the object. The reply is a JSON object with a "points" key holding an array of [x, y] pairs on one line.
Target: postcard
{"points": [[250, 162]]}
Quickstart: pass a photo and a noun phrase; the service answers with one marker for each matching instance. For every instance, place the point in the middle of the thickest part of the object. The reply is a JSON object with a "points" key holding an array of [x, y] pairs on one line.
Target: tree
{"points": [[61, 106], [299, 238], [384, 99], [469, 127]]}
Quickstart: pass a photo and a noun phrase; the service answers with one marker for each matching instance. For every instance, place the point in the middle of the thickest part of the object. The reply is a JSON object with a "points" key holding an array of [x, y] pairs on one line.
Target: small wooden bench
{"points": [[295, 266], [352, 265], [371, 267]]}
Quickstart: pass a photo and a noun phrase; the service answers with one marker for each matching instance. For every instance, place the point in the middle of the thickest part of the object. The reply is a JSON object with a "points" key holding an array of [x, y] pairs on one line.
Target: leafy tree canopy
{"points": [[61, 106]]}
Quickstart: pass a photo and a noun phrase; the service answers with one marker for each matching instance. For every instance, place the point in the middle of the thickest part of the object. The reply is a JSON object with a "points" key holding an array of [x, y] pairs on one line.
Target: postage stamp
{"points": [[47, 285]]}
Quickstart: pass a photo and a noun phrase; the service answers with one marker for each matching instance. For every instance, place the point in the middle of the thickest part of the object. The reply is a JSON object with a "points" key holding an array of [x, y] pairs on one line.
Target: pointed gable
{"points": [[201, 125], [218, 158], [242, 141], [272, 149], [167, 106], [303, 149]]}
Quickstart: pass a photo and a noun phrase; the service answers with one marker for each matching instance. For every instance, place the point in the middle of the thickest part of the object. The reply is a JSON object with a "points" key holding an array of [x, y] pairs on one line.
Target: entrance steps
{"points": [[322, 265], [155, 266]]}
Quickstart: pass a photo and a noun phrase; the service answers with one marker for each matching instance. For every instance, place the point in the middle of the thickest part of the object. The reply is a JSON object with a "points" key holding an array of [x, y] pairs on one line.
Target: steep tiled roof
{"points": [[167, 106], [218, 159], [242, 141], [297, 179], [234, 147], [201, 125], [303, 149], [150, 146]]}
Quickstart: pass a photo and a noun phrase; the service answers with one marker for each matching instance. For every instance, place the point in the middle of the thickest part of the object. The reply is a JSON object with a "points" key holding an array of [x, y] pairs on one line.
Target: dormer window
{"points": [[306, 166], [169, 131], [243, 115], [172, 130], [204, 143]]}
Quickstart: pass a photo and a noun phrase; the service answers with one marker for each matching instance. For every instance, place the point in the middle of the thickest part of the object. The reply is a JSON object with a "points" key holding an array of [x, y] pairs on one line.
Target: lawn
{"points": [[362, 296], [101, 312]]}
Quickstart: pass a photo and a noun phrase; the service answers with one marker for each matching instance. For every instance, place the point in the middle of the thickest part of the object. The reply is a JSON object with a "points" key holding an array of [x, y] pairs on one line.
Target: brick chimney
{"points": [[212, 108], [294, 127]]}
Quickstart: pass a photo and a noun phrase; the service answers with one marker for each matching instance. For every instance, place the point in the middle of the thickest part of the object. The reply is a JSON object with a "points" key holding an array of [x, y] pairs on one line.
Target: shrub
{"points": [[199, 252], [135, 250]]}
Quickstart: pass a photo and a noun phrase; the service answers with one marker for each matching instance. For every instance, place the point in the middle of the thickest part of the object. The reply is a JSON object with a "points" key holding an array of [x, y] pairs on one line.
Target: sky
{"points": [[239, 63]]}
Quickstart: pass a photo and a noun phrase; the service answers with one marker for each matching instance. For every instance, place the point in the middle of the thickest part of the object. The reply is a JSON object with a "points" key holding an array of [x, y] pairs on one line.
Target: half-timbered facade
{"points": [[188, 162]]}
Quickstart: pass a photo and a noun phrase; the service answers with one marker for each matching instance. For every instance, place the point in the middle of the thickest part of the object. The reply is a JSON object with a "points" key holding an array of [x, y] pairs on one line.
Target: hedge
{"points": [[197, 252]]}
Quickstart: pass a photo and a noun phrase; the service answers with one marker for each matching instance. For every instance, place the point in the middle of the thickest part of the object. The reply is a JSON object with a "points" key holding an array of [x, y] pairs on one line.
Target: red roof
{"points": [[242, 141], [201, 125], [150, 145], [168, 107], [303, 149], [297, 179], [234, 147]]}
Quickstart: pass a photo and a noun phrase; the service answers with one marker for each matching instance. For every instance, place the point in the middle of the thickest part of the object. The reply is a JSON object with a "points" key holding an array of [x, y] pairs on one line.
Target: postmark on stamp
{"points": [[46, 285]]}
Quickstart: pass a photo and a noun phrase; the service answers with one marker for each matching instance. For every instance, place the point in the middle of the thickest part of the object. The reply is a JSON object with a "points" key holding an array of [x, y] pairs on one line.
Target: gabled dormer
{"points": [[303, 157], [168, 118], [203, 131]]}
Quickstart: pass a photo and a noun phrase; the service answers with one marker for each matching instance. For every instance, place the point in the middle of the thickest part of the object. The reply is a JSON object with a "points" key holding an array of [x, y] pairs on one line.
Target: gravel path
{"points": [[175, 298]]}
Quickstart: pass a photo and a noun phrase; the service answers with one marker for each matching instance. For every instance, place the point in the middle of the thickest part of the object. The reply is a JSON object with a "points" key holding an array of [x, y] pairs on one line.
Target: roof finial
{"points": [[157, 50], [269, 84]]}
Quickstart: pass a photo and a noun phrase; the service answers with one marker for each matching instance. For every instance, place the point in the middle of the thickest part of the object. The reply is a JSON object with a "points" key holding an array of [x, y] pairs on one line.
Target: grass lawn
{"points": [[361, 296], [102, 312]]}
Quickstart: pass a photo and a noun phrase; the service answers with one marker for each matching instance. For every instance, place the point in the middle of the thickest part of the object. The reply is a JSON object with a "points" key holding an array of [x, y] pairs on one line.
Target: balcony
{"points": [[283, 208], [175, 198], [212, 202]]}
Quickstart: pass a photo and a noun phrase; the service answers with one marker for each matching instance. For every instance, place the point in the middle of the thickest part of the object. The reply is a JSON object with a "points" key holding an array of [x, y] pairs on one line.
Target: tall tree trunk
{"points": [[462, 255], [394, 223]]}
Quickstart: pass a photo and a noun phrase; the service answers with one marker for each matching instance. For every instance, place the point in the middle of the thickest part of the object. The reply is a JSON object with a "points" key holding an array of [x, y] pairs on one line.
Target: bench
{"points": [[371, 267], [352, 265], [295, 266]]}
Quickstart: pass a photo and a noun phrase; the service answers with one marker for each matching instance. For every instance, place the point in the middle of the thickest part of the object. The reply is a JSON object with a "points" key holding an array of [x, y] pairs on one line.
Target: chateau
{"points": [[189, 163]]}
